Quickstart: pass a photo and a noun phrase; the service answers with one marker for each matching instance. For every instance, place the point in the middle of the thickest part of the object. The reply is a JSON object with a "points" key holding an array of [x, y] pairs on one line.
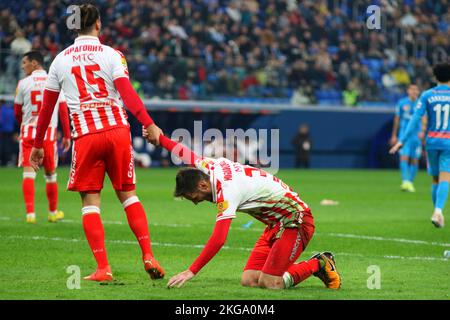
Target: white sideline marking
{"points": [[172, 225], [337, 235], [198, 246], [410, 241], [162, 244]]}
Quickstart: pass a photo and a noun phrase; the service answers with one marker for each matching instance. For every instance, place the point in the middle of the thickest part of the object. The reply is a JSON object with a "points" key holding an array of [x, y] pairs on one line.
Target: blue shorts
{"points": [[438, 161], [412, 149]]}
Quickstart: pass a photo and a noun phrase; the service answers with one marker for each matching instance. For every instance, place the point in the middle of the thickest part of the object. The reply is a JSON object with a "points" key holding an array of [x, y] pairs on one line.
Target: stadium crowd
{"points": [[311, 51]]}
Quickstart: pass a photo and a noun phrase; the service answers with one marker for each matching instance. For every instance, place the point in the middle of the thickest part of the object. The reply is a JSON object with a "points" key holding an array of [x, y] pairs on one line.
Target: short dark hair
{"points": [[442, 71], [36, 56], [89, 14], [187, 181]]}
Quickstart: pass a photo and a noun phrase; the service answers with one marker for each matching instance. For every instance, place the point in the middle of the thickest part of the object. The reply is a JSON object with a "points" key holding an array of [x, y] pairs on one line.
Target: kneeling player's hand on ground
{"points": [[152, 133], [180, 279], [66, 144], [36, 157], [396, 147]]}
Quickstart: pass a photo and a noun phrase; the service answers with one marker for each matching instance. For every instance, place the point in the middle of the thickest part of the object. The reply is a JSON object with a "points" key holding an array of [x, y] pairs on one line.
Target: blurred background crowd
{"points": [[284, 52], [303, 52]]}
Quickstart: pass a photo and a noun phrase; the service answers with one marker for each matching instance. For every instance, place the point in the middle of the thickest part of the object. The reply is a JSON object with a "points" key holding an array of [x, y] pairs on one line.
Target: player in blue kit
{"points": [[412, 150], [435, 103]]}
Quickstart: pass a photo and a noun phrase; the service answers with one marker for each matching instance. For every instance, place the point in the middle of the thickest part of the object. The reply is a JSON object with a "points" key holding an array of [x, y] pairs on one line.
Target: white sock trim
{"points": [[29, 175], [90, 209], [50, 178], [130, 201], [288, 280], [31, 215]]}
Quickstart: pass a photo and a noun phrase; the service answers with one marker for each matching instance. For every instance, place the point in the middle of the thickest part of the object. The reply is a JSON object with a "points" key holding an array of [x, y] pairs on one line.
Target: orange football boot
{"points": [[153, 268], [101, 275], [327, 270]]}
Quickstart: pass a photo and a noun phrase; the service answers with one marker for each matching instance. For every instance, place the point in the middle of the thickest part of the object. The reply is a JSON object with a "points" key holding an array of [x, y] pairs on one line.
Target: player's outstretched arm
{"points": [[45, 115], [181, 151], [137, 108], [214, 244]]}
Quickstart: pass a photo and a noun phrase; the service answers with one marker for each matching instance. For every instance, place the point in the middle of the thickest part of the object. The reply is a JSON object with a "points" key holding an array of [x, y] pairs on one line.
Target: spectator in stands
{"points": [[248, 48], [19, 46], [371, 92], [302, 146], [352, 93], [303, 96]]}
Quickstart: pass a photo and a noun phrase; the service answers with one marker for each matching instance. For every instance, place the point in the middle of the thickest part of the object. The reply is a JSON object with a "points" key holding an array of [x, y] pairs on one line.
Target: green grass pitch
{"points": [[374, 224]]}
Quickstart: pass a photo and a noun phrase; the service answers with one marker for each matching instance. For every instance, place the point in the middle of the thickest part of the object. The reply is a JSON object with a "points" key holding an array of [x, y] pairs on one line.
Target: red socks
{"points": [[300, 271], [28, 191], [51, 188], [93, 228], [138, 223], [95, 235]]}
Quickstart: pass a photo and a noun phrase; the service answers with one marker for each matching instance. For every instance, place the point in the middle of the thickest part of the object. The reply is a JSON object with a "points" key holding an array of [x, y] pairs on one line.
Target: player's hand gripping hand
{"points": [[36, 157], [66, 144], [396, 147], [152, 133], [180, 279]]}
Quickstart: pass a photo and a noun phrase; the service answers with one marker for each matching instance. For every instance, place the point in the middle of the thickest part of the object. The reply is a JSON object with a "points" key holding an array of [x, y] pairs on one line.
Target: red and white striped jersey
{"points": [[29, 93], [237, 187], [86, 71]]}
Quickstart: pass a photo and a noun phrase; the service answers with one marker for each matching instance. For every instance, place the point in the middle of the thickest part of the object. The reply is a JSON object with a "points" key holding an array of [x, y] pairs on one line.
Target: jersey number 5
{"points": [[91, 80], [35, 102]]}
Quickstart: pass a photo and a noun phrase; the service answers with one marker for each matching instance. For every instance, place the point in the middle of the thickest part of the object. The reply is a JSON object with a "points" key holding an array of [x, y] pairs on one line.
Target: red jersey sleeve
{"points": [[18, 113], [214, 244], [181, 151], [64, 118], [132, 101]]}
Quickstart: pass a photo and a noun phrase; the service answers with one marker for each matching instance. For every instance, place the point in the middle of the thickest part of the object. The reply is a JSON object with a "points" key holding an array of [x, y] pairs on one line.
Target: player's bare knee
{"points": [[249, 279], [125, 195], [246, 282], [270, 282], [90, 198], [50, 172]]}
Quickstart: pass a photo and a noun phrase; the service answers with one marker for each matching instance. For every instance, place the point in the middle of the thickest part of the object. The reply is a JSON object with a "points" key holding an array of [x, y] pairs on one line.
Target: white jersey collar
{"points": [[86, 38], [39, 71]]}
